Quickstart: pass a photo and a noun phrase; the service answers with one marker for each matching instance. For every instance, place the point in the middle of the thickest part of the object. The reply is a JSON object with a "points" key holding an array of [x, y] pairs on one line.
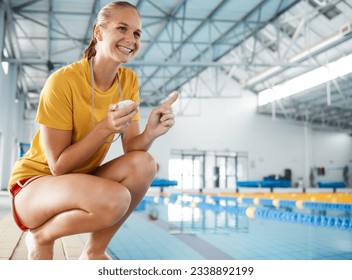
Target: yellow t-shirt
{"points": [[66, 104]]}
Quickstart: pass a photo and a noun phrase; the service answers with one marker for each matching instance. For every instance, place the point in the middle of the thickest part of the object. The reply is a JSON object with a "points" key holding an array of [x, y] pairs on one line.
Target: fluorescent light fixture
{"points": [[262, 76], [5, 67], [306, 81], [304, 54], [6, 54], [316, 48], [5, 64], [345, 30]]}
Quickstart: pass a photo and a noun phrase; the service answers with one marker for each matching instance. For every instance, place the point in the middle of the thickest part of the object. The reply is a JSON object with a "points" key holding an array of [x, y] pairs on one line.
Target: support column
{"points": [[2, 28], [3, 88], [307, 155], [9, 124]]}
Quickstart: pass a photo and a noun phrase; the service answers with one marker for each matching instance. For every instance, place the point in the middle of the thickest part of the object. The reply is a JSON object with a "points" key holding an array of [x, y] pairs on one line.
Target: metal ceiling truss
{"points": [[331, 111], [217, 47], [328, 106], [178, 66]]}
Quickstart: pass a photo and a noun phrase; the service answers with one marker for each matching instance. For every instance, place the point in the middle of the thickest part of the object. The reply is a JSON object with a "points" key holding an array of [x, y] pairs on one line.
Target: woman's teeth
{"points": [[125, 50]]}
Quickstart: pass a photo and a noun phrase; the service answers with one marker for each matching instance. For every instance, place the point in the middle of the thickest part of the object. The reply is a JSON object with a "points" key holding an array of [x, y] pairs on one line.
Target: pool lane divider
{"points": [[311, 202], [282, 215], [265, 208]]}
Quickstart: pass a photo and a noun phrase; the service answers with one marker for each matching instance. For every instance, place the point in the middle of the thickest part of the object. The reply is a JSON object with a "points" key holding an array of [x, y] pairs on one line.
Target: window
{"points": [[187, 172]]}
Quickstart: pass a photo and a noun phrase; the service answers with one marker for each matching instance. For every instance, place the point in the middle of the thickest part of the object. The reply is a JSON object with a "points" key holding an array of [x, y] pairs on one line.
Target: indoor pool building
{"points": [[258, 164]]}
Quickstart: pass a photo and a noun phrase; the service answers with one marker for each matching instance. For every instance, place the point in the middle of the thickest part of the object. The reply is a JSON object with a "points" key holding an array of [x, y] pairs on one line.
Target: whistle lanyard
{"points": [[119, 89], [93, 93]]}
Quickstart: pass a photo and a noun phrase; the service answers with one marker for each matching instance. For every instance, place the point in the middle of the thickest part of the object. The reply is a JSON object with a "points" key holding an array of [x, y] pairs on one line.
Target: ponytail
{"points": [[90, 50]]}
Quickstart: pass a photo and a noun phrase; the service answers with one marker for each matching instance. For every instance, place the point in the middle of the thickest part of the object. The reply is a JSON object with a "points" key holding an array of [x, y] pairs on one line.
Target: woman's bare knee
{"points": [[144, 158], [142, 164], [113, 206]]}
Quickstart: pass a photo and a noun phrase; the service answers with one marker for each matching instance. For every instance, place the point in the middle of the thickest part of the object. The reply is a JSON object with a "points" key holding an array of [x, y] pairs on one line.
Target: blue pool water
{"points": [[204, 227]]}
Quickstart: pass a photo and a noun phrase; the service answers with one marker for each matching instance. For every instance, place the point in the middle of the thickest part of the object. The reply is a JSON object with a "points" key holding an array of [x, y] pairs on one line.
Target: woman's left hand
{"points": [[161, 119]]}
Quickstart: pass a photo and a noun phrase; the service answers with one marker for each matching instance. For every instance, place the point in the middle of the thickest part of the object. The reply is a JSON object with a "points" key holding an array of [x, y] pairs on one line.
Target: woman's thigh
{"points": [[50, 195], [113, 182]]}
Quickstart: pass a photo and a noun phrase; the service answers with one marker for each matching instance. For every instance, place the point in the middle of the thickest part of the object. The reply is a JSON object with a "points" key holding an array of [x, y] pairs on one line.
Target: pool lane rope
{"points": [[273, 209]]}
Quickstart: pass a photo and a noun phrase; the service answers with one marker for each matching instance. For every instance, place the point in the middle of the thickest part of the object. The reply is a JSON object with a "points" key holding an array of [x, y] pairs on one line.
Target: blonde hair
{"points": [[103, 18]]}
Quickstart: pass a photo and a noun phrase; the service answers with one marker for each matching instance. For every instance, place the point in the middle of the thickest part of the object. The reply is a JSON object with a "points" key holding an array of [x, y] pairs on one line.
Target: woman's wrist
{"points": [[102, 129], [149, 135]]}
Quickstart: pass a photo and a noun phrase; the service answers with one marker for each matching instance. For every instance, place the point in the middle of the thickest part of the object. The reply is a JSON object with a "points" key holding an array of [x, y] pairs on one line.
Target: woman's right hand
{"points": [[118, 120]]}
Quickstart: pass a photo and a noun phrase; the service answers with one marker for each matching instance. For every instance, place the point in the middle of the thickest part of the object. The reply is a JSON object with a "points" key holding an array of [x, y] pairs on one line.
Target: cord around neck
{"points": [[93, 92], [93, 86]]}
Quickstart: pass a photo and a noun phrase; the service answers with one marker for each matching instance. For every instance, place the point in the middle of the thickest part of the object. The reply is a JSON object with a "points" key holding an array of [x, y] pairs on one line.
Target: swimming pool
{"points": [[247, 227]]}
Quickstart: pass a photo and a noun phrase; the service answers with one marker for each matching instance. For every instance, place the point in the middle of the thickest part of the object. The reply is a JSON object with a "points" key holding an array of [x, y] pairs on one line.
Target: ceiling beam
{"points": [[172, 14], [10, 28], [190, 36], [136, 63], [24, 5], [2, 29], [232, 30], [64, 33]]}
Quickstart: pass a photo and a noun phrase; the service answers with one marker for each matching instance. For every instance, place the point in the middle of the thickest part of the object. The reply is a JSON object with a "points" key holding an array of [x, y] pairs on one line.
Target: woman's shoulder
{"points": [[75, 69], [67, 77]]}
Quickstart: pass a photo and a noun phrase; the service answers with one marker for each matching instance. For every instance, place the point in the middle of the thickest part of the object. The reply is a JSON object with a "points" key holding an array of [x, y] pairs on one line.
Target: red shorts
{"points": [[14, 190]]}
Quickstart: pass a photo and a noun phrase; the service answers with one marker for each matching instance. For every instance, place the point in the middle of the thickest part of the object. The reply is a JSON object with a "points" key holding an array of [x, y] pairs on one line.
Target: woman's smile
{"points": [[124, 50]]}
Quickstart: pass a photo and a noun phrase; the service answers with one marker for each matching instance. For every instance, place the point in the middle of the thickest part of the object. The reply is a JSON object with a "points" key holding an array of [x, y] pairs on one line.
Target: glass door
{"points": [[188, 170]]}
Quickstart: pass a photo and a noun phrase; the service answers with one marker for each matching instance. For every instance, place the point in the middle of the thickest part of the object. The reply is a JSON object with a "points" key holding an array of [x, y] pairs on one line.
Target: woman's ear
{"points": [[97, 33]]}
